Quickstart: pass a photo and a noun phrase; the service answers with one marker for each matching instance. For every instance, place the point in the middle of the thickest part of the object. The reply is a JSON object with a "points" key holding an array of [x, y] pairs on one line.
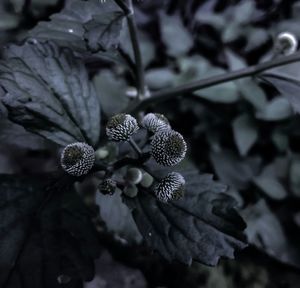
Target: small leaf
{"points": [[83, 25], [203, 225], [277, 109], [245, 133], [45, 232], [294, 176], [175, 36], [271, 186], [46, 90], [158, 78]]}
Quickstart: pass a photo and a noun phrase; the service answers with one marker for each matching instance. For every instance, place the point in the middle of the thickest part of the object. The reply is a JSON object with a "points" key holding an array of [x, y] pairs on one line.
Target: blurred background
{"points": [[244, 132]]}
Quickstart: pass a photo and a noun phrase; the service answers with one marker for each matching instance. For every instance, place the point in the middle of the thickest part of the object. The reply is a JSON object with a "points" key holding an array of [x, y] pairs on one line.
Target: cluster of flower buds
{"points": [[108, 186], [77, 159], [168, 148]]}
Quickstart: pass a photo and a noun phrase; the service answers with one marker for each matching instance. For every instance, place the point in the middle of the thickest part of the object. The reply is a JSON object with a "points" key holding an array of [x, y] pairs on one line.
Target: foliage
{"points": [[68, 66]]}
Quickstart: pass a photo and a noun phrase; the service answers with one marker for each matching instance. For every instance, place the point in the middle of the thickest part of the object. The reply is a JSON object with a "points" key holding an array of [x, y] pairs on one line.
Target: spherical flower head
{"points": [[121, 126], [108, 186], [286, 43], [170, 188], [77, 159], [168, 147], [155, 122]]}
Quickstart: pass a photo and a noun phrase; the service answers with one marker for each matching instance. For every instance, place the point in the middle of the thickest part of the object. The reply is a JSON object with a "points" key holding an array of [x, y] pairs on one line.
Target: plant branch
{"points": [[135, 147], [166, 94], [140, 77]]}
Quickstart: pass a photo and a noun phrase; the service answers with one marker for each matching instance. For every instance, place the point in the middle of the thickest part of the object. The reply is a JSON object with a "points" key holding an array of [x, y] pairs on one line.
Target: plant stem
{"points": [[140, 77], [135, 147], [166, 94]]}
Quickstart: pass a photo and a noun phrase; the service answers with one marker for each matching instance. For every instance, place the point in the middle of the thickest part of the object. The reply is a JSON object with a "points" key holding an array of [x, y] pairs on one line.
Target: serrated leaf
{"points": [[175, 36], [245, 133], [288, 87], [203, 226], [83, 25], [46, 232], [46, 89]]}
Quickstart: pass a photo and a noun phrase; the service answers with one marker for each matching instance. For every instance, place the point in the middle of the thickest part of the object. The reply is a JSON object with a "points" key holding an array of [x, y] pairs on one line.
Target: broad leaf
{"points": [[46, 234], [47, 90], [202, 226], [83, 25]]}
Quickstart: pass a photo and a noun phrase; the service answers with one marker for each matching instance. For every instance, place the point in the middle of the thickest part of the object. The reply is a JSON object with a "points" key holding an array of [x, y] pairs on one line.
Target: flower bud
{"points": [[168, 147], [121, 126], [286, 43], [131, 191], [108, 186], [134, 175], [77, 159], [155, 122], [147, 180], [170, 188]]}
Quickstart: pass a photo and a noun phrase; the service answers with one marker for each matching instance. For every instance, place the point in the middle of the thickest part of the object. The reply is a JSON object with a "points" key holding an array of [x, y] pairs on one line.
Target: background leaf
{"points": [[47, 90]]}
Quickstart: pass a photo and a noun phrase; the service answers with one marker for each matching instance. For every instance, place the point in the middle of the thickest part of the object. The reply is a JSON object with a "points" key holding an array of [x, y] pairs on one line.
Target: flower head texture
{"points": [[168, 147], [170, 188], [108, 186], [121, 126], [77, 159], [155, 122]]}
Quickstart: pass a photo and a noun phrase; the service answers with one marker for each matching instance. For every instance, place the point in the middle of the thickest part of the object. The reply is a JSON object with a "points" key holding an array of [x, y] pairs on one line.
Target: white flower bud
{"points": [[286, 43], [155, 122], [77, 159], [170, 188], [121, 126], [168, 147]]}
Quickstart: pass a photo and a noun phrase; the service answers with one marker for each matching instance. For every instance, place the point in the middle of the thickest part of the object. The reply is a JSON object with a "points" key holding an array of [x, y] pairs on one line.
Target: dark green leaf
{"points": [[47, 90], [46, 232], [83, 25], [203, 226]]}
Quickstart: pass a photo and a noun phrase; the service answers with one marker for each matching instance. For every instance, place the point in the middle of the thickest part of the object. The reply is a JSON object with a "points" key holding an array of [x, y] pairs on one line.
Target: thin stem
{"points": [[140, 77], [135, 147], [211, 81]]}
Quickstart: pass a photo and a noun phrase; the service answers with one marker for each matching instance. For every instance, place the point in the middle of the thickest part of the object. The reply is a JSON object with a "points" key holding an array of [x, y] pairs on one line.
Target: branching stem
{"points": [[140, 77], [166, 94]]}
